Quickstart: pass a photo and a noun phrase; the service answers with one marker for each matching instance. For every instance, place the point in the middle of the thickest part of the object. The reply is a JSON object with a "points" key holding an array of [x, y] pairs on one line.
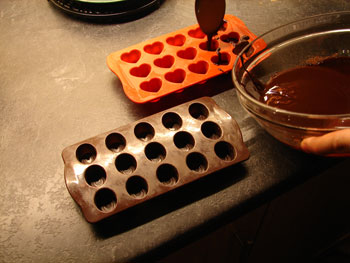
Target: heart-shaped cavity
{"points": [[153, 85], [131, 57], [177, 40], [177, 76], [155, 48], [201, 67], [221, 58], [164, 62], [196, 33], [213, 45], [188, 53], [232, 37], [141, 71]]}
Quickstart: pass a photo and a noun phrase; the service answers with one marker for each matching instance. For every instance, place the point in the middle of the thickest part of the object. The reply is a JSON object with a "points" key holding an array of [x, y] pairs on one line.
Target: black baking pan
{"points": [[107, 10]]}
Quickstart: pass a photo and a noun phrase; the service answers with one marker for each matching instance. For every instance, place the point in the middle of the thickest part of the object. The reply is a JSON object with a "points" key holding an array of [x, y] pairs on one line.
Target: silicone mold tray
{"points": [[131, 164], [172, 62]]}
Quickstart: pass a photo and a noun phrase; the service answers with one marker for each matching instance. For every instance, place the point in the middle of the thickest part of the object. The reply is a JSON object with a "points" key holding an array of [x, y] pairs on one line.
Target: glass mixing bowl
{"points": [[286, 47]]}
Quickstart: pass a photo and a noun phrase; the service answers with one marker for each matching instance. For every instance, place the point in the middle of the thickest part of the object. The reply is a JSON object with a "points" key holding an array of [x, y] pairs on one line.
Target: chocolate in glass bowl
{"points": [[289, 48], [321, 88]]}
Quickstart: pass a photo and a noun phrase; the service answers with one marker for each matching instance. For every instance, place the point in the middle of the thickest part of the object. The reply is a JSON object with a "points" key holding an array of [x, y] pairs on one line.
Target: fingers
{"points": [[333, 143]]}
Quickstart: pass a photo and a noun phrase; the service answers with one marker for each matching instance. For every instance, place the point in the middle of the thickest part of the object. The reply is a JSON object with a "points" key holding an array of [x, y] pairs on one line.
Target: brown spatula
{"points": [[210, 15]]}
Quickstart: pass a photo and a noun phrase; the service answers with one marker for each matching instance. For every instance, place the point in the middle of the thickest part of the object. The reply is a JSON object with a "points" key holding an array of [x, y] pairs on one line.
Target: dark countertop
{"points": [[56, 90]]}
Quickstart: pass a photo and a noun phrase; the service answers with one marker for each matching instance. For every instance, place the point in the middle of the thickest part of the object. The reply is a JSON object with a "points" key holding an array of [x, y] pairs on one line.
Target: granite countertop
{"points": [[56, 90]]}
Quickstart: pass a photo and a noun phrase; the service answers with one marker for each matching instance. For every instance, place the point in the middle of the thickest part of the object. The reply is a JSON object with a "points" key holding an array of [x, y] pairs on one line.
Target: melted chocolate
{"points": [[323, 88]]}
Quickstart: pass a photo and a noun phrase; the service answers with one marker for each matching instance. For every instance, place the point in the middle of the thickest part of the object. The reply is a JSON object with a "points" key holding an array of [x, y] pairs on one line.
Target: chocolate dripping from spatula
{"points": [[210, 14]]}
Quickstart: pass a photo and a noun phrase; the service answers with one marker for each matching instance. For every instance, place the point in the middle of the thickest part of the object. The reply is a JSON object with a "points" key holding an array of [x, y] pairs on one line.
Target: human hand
{"points": [[333, 143]]}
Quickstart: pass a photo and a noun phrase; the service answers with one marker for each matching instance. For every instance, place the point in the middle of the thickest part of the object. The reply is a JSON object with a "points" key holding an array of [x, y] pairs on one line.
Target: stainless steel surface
{"points": [[56, 90]]}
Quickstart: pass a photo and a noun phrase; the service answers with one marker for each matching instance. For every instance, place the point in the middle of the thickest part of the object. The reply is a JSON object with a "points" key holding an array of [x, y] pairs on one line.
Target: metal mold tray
{"points": [[136, 162]]}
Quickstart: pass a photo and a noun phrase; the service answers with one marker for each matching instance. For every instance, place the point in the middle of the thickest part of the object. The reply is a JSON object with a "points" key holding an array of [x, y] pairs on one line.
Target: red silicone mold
{"points": [[172, 62]]}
